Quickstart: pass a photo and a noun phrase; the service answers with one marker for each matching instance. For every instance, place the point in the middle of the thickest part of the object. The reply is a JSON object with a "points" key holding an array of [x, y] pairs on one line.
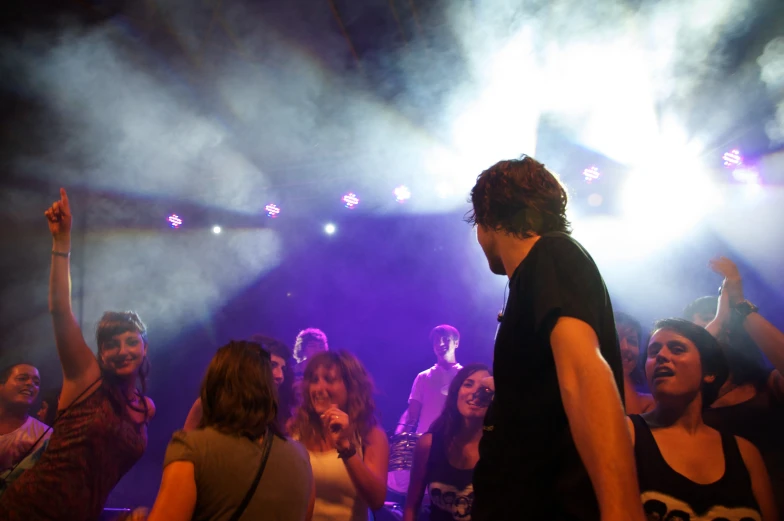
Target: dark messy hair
{"points": [[702, 305], [520, 197], [286, 400], [6, 371], [444, 330], [625, 320], [711, 353], [114, 323], [448, 423], [238, 394]]}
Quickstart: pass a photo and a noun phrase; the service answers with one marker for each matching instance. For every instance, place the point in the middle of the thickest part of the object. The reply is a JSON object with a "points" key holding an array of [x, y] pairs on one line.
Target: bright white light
{"points": [[174, 221], [595, 200], [350, 200], [667, 202], [272, 210], [402, 194], [732, 158], [329, 229], [591, 174], [746, 175], [216, 229]]}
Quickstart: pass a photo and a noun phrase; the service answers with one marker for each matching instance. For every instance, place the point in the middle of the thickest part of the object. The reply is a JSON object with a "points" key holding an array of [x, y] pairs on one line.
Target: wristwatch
{"points": [[745, 308]]}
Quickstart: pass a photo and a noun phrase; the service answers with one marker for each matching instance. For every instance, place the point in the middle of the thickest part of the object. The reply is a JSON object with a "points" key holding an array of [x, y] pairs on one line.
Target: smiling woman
{"points": [[101, 425]]}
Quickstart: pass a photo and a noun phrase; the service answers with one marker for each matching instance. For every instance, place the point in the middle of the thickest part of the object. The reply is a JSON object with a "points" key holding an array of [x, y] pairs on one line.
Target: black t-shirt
{"points": [[528, 466]]}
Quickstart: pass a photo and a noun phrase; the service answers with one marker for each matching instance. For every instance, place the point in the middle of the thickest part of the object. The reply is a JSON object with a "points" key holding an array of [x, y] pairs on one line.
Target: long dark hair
{"points": [[361, 408], [448, 423], [286, 390], [114, 323], [238, 393]]}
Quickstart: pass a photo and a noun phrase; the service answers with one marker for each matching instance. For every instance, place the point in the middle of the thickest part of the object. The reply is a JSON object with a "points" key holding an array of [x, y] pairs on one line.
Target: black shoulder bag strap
{"points": [[265, 450]]}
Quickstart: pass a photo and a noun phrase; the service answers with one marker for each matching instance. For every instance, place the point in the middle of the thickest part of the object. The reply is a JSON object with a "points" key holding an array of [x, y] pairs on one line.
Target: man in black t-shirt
{"points": [[555, 443]]}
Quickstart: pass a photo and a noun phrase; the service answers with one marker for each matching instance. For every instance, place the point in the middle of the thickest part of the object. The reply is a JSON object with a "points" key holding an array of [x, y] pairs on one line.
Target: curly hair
{"points": [[520, 197], [448, 423], [360, 407], [712, 356], [286, 400], [311, 334], [238, 393]]}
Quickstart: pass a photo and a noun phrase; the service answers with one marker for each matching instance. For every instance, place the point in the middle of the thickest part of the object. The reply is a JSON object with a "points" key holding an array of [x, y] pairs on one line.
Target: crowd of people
{"points": [[583, 416]]}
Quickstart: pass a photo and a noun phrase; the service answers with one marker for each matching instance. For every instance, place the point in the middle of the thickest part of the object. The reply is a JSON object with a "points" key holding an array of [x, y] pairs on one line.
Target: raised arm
{"points": [[80, 367], [768, 337], [416, 485], [596, 419]]}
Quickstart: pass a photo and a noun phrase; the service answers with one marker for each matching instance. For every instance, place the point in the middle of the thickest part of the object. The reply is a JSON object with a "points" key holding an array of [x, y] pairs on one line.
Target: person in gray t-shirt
{"points": [[207, 472]]}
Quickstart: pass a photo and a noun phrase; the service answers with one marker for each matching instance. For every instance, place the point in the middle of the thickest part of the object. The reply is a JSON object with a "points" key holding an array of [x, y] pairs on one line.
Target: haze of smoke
{"points": [[771, 64]]}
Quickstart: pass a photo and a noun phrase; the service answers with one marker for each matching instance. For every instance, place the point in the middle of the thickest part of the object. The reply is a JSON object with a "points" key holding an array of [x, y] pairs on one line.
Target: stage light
{"points": [[748, 176], [591, 174], [174, 221], [402, 194], [329, 229], [216, 229], [351, 200], [272, 210], [732, 158]]}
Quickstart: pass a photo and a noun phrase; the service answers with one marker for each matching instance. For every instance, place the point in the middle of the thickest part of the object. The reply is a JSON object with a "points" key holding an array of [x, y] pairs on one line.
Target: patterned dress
{"points": [[94, 444]]}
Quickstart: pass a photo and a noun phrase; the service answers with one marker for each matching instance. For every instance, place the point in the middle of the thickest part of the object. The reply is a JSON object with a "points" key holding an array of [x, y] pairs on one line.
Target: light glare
{"points": [[216, 229]]}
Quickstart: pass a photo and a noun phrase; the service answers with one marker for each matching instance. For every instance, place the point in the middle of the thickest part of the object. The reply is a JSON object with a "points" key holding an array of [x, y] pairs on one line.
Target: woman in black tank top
{"points": [[444, 457], [687, 470]]}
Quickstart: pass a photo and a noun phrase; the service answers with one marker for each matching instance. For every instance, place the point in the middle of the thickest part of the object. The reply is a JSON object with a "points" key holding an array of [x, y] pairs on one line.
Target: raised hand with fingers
{"points": [[59, 218]]}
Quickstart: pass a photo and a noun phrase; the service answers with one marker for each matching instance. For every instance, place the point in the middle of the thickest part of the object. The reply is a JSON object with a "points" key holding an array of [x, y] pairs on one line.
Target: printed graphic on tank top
{"points": [[669, 496], [451, 489]]}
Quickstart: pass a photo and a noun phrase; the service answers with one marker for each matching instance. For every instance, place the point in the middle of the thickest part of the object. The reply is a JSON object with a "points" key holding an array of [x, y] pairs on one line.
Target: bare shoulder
{"points": [[150, 408], [425, 442], [377, 437], [748, 451]]}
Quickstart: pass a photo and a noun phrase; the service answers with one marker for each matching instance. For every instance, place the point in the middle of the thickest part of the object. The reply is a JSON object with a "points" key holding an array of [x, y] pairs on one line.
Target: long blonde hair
{"points": [[360, 406]]}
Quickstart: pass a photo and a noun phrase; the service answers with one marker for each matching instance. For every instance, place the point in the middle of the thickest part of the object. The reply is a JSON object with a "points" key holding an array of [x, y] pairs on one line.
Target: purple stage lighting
{"points": [[174, 221], [272, 210], [351, 200], [732, 158], [402, 194], [591, 174]]}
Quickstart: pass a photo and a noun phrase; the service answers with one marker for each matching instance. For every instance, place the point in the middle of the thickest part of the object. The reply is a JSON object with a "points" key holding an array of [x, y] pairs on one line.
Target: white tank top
{"points": [[337, 499]]}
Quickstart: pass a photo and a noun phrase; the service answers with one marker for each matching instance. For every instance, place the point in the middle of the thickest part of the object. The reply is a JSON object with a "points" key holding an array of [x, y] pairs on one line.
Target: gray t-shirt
{"points": [[225, 467]]}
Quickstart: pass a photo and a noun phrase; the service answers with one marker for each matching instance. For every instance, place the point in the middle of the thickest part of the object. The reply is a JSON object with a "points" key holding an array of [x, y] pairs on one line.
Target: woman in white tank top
{"points": [[349, 453]]}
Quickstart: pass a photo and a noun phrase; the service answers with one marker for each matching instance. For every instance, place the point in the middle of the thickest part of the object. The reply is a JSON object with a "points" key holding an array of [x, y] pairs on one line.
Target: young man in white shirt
{"points": [[21, 435], [431, 386]]}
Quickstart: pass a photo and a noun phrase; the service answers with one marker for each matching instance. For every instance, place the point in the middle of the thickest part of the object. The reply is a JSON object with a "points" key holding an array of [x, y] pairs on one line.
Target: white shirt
{"points": [[17, 443], [430, 389], [337, 499]]}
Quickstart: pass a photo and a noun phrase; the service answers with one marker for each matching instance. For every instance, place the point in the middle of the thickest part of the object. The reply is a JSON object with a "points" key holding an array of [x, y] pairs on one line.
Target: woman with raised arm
{"points": [[348, 451], [445, 456], [686, 469], [101, 426]]}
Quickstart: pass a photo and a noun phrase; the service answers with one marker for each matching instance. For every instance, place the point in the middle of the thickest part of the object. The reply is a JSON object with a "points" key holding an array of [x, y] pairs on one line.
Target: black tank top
{"points": [[668, 495], [451, 489]]}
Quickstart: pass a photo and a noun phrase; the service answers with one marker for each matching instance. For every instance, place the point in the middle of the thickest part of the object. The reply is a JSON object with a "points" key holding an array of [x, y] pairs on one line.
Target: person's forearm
{"points": [[769, 339], [60, 279], [598, 427], [371, 487]]}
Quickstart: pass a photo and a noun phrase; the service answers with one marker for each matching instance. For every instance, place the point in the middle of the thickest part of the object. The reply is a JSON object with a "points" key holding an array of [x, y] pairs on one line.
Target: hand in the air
{"points": [[733, 284], [59, 217], [338, 426]]}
